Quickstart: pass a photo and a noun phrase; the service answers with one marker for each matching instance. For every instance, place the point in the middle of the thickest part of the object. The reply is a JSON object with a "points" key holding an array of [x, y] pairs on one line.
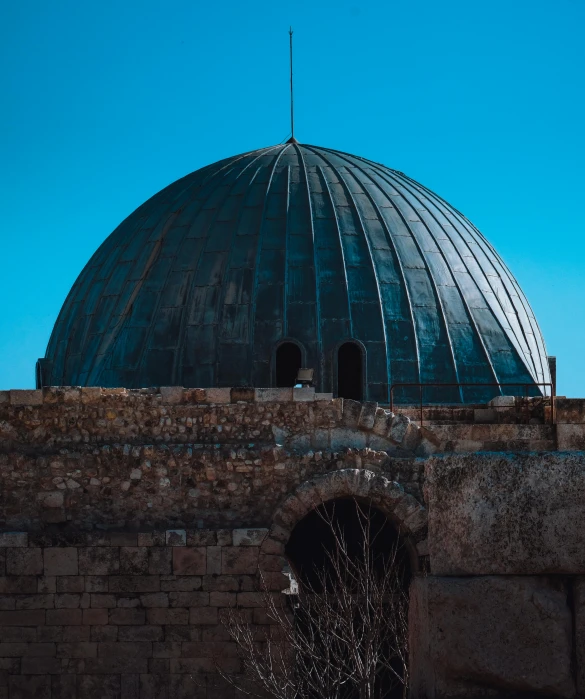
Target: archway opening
{"points": [[378, 577], [288, 362], [349, 371]]}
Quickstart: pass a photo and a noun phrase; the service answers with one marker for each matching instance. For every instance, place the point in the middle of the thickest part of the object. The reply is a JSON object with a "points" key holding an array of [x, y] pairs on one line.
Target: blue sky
{"points": [[105, 103]]}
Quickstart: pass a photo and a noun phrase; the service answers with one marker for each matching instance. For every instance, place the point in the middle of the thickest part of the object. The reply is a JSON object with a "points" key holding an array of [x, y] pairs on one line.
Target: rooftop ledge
{"points": [[168, 395]]}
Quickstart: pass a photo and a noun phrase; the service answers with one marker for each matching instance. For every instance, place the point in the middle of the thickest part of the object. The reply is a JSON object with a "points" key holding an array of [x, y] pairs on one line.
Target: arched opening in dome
{"points": [[350, 371], [352, 551], [289, 360]]}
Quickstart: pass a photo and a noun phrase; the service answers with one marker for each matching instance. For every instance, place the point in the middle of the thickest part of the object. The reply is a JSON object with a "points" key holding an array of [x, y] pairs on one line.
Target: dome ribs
{"points": [[254, 303], [302, 244], [400, 374], [384, 392], [483, 248], [469, 315], [319, 354]]}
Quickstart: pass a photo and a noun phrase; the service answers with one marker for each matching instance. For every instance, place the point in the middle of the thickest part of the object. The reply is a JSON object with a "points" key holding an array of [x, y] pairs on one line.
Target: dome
{"points": [[296, 255]]}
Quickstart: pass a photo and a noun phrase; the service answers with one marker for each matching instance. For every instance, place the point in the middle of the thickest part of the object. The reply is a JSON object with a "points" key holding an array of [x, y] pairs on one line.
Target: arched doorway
{"points": [[349, 553], [350, 371], [289, 360]]}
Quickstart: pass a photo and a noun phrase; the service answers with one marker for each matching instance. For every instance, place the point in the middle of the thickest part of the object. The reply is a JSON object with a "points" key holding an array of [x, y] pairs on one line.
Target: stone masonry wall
{"points": [[125, 615]]}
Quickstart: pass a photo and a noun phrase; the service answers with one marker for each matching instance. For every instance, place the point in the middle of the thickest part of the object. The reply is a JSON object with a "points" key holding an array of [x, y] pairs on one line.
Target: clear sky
{"points": [[104, 103]]}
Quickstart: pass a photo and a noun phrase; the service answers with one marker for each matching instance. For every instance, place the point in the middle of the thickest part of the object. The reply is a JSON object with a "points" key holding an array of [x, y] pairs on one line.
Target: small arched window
{"points": [[288, 362], [350, 371]]}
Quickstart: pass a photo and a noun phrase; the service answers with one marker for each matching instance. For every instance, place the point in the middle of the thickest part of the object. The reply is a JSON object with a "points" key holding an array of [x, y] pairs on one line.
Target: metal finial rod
{"points": [[292, 114]]}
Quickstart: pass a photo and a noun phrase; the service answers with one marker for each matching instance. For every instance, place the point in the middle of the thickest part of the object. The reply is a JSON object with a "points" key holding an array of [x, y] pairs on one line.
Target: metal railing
{"points": [[525, 386]]}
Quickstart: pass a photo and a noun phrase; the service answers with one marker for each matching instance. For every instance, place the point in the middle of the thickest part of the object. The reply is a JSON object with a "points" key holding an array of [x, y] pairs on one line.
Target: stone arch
{"points": [[402, 509]]}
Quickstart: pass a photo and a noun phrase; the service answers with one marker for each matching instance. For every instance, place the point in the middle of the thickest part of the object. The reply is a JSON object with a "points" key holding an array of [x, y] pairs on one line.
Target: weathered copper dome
{"points": [[203, 282]]}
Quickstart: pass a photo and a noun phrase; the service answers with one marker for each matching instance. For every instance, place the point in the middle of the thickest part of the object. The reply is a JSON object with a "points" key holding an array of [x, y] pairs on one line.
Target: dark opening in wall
{"points": [[349, 371], [288, 363], [310, 551]]}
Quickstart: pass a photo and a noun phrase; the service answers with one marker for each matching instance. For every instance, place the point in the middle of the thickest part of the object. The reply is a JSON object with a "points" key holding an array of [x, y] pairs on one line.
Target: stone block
{"points": [[123, 539], [239, 560], [154, 599], [69, 583], [90, 394], [171, 394], [506, 514], [63, 687], [159, 560], [189, 599], [135, 649], [484, 415], [367, 415], [40, 601], [61, 561], [130, 686], [26, 397], [201, 616], [570, 437], [99, 560], [164, 617], [141, 633], [29, 687], [326, 397], [130, 617], [244, 394], [134, 560], [99, 685], [32, 617], [213, 560], [351, 412], [134, 583], [382, 421], [398, 428], [63, 617], [346, 438], [249, 537], [176, 537], [273, 395], [218, 395], [77, 650], [21, 561], [202, 537], [502, 402], [94, 617], [304, 395], [511, 635], [13, 540], [189, 560]]}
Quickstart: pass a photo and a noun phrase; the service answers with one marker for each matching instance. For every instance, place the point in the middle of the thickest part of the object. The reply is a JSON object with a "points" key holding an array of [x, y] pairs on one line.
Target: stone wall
{"points": [[130, 615], [130, 519]]}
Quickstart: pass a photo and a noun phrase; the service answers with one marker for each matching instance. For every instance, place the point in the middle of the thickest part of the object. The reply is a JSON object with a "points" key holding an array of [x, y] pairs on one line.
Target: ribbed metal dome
{"points": [[202, 282]]}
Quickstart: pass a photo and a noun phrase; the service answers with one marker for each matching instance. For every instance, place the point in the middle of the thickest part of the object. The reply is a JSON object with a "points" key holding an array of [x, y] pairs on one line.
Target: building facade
{"points": [[166, 455]]}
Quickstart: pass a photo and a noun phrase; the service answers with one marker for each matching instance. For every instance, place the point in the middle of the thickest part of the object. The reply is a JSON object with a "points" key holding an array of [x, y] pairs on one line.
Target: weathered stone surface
{"points": [[249, 537], [579, 607], [304, 395], [171, 394], [273, 395], [506, 514], [367, 415], [511, 635], [13, 539], [61, 561], [25, 397], [189, 560], [398, 428]]}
